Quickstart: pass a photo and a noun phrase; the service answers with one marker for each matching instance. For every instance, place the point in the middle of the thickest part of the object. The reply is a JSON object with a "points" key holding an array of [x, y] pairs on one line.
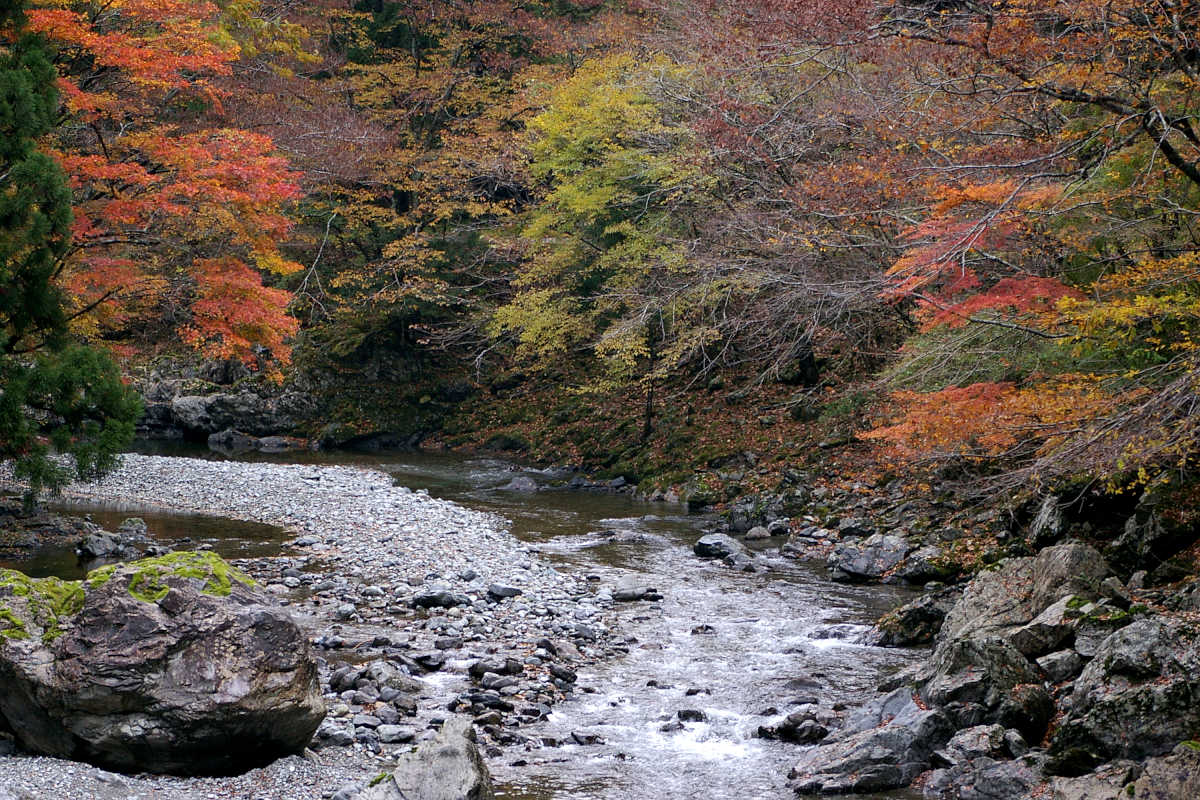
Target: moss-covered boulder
{"points": [[174, 664]]}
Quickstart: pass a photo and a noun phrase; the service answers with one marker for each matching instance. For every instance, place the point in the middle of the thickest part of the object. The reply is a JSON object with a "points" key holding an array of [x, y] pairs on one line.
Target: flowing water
{"points": [[741, 649]]}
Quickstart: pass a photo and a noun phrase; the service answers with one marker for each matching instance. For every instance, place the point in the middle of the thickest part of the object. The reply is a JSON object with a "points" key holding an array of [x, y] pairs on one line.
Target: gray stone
{"points": [[978, 671], [919, 621], [924, 565], [1172, 777], [521, 483], [635, 589], [1047, 630], [1060, 666], [448, 767], [876, 759], [438, 597], [983, 778], [758, 532], [396, 734], [998, 601], [498, 591], [1136, 698], [868, 559], [716, 545]]}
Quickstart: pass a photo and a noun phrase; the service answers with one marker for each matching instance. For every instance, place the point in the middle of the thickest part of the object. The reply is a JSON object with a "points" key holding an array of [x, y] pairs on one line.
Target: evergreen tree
{"points": [[54, 395]]}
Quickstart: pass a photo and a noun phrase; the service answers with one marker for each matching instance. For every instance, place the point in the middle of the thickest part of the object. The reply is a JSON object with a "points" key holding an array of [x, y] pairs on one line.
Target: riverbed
{"points": [[732, 650]]}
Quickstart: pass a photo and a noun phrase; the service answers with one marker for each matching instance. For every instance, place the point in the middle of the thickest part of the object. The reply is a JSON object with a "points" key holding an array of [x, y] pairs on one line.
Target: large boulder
{"points": [[1171, 777], [245, 411], [175, 664], [1138, 697], [867, 559], [1000, 600], [885, 746], [448, 767]]}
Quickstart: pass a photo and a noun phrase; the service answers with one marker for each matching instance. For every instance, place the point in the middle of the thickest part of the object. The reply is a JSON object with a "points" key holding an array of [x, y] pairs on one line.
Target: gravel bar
{"points": [[365, 557]]}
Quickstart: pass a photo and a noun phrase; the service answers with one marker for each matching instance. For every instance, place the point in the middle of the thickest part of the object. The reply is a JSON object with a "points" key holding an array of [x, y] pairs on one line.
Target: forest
{"points": [[962, 232]]}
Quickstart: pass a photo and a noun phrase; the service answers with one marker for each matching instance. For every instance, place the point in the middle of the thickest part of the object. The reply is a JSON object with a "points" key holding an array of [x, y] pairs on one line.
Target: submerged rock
{"points": [[174, 664]]}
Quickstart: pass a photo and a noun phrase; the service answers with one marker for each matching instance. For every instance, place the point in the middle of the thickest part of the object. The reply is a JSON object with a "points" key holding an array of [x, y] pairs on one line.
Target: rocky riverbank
{"points": [[419, 609]]}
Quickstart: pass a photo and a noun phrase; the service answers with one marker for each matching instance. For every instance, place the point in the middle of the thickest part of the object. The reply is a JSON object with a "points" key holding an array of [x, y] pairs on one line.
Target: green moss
{"points": [[100, 576], [1192, 744], [148, 582], [48, 599], [14, 627], [380, 778]]}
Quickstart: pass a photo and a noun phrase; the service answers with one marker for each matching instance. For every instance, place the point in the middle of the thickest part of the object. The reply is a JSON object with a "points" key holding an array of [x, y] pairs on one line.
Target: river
{"points": [[741, 649]]}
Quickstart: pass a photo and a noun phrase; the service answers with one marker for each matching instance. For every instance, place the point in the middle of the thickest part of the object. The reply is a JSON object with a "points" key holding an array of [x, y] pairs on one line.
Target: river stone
{"points": [[439, 597], [716, 545], [983, 778], [867, 559], [170, 665], [448, 767], [1047, 630], [876, 759], [1139, 696]]}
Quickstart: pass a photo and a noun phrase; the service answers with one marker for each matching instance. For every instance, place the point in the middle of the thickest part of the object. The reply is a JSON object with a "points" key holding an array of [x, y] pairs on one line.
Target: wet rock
{"points": [[877, 758], [193, 675], [562, 673], [582, 738], [690, 715], [779, 527], [742, 562], [448, 767], [500, 666], [716, 545], [799, 727], [634, 590], [1136, 698], [758, 532], [100, 545], [868, 559]]}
